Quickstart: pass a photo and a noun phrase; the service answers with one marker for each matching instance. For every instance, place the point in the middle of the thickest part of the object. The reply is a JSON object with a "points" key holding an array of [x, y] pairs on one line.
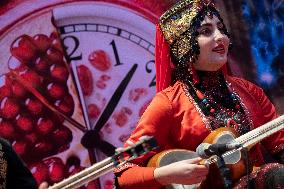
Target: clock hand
{"points": [[43, 100], [91, 138]]}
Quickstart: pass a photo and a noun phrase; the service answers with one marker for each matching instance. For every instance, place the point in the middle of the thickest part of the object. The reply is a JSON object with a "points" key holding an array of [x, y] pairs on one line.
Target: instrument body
{"points": [[234, 159]]}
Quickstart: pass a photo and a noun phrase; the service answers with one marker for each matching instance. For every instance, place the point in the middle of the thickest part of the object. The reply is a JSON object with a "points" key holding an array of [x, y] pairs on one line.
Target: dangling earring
{"points": [[230, 46], [189, 69], [192, 72]]}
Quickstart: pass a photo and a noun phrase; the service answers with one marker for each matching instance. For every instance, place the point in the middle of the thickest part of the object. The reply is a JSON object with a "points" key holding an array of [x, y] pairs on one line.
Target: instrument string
{"points": [[263, 132]]}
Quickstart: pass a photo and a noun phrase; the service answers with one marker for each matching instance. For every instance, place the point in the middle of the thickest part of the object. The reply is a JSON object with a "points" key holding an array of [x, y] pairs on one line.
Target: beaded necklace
{"points": [[221, 106]]}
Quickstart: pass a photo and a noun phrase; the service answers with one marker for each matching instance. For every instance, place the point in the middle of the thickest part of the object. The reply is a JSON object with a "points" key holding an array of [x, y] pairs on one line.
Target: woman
{"points": [[195, 96], [13, 172]]}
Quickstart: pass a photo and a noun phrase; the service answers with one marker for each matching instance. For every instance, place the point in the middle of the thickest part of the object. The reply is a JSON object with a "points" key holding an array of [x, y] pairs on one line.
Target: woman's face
{"points": [[213, 45]]}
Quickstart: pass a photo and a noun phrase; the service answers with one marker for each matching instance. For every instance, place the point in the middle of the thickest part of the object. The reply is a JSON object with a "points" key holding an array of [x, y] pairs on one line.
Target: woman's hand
{"points": [[185, 172], [43, 185]]}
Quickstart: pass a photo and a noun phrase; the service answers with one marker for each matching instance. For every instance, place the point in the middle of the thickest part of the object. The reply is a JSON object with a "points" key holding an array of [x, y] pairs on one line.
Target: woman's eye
{"points": [[206, 31], [222, 29]]}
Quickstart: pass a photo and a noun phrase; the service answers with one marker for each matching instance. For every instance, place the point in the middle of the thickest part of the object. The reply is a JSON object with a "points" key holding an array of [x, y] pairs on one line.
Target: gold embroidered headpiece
{"points": [[177, 20]]}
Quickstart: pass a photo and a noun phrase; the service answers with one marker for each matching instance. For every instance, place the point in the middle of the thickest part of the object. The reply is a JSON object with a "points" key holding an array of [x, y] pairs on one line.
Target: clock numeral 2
{"points": [[74, 47], [149, 70], [115, 53]]}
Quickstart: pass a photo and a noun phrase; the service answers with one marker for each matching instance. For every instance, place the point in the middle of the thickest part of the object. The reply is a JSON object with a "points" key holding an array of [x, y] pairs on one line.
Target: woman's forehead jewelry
{"points": [[176, 22], [207, 2]]}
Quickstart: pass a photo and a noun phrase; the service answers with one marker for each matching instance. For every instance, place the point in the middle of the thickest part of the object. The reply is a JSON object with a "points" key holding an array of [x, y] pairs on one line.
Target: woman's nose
{"points": [[219, 36]]}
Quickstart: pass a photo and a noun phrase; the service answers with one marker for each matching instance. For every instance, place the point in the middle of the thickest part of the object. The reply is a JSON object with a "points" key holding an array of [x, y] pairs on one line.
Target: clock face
{"points": [[111, 54], [108, 72], [36, 89], [107, 51]]}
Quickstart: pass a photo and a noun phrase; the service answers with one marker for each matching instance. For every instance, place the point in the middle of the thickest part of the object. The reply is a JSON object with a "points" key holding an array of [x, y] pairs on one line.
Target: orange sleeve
{"points": [[274, 143], [156, 122], [138, 177]]}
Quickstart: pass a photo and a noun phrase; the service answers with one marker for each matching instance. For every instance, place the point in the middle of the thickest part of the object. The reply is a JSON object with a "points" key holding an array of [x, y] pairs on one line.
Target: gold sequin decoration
{"points": [[3, 169], [176, 21]]}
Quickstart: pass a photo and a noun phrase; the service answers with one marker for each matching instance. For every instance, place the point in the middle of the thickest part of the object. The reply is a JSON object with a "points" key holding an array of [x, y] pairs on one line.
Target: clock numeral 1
{"points": [[115, 53], [149, 70], [74, 47]]}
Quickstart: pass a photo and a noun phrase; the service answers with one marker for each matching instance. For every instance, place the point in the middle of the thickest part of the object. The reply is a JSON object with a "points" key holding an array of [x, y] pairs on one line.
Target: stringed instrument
{"points": [[121, 157], [234, 159]]}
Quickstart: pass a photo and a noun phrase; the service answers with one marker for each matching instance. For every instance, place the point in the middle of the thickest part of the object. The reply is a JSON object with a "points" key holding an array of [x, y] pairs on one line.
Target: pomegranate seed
{"points": [[6, 130], [24, 123], [105, 77], [42, 149], [21, 147], [41, 65], [136, 94], [32, 77], [9, 108], [100, 60], [54, 55], [66, 105], [34, 106], [108, 184], [62, 135], [126, 110], [16, 65], [86, 79], [45, 126], [18, 90], [93, 111], [56, 169], [39, 171], [59, 73], [42, 42], [5, 90], [120, 119], [55, 91], [23, 49], [100, 84]]}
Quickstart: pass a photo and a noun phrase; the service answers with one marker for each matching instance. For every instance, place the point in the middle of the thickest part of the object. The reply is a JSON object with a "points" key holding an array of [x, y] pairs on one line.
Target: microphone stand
{"points": [[225, 171]]}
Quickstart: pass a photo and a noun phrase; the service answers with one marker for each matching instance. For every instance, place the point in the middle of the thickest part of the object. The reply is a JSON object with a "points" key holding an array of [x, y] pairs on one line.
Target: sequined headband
{"points": [[177, 20]]}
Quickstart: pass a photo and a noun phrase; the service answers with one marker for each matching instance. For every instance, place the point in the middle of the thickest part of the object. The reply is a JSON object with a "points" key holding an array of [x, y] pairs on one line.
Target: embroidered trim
{"points": [[124, 167], [247, 113], [278, 148], [204, 119]]}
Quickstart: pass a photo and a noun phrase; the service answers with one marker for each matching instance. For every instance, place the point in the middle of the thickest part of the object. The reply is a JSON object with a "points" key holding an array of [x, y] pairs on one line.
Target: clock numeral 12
{"points": [[149, 70]]}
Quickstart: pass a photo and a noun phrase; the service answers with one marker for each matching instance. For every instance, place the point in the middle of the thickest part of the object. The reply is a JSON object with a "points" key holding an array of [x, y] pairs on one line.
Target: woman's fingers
{"points": [[182, 172], [43, 185], [194, 160]]}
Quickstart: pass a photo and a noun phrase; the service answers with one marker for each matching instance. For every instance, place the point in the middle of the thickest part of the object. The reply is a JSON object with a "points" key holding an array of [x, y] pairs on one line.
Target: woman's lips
{"points": [[219, 49]]}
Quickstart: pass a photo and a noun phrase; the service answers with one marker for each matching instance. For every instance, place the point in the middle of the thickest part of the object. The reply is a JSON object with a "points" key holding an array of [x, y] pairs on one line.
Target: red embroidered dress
{"points": [[182, 115], [175, 120]]}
